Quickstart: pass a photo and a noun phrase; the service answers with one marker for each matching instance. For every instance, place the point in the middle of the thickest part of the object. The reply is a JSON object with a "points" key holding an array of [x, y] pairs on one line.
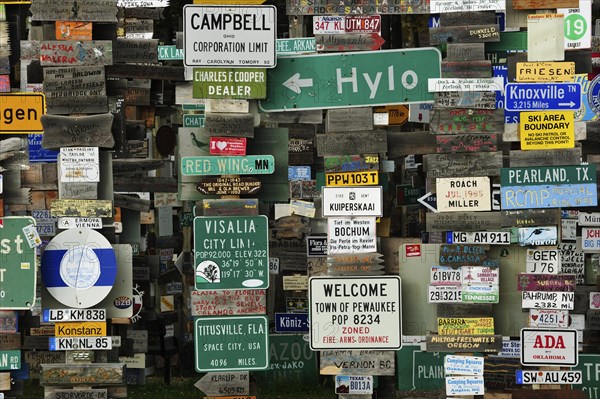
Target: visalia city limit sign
{"points": [[233, 36]]}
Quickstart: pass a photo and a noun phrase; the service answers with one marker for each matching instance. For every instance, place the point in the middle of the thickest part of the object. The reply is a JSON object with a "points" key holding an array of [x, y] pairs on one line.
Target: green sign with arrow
{"points": [[354, 79], [18, 239]]}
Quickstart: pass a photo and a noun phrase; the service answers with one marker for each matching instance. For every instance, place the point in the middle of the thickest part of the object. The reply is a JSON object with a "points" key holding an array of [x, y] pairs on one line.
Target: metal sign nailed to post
{"points": [[543, 96], [353, 79], [233, 36]]}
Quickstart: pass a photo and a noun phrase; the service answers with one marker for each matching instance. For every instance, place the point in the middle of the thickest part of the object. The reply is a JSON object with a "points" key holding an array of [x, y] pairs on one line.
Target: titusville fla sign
{"points": [[231, 343], [18, 267], [231, 252], [353, 79]]}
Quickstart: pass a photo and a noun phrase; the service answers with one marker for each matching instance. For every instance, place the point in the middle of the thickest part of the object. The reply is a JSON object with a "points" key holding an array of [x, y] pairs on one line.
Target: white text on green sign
{"points": [[234, 165], [235, 83]]}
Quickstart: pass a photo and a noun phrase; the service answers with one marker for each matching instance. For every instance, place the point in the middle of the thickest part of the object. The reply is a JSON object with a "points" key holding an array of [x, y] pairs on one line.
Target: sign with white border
{"points": [[526, 377], [549, 347], [548, 318], [354, 384], [464, 385], [463, 365], [352, 201], [351, 235]]}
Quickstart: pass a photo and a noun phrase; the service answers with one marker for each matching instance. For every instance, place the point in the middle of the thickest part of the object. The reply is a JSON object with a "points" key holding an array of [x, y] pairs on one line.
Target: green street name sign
{"points": [[356, 79], [10, 360], [231, 252], [234, 83], [169, 53], [231, 343], [233, 165], [299, 45], [193, 120], [548, 175], [18, 265]]}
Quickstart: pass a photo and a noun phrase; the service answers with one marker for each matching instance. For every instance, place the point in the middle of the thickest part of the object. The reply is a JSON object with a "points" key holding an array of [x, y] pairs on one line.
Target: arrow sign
{"points": [[429, 201], [349, 42], [354, 79], [230, 383], [543, 96]]}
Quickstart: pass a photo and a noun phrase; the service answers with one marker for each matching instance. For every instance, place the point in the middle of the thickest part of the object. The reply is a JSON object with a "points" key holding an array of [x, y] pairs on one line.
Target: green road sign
{"points": [[356, 79], [234, 165], [231, 252], [18, 262], [10, 360], [231, 343], [169, 53], [548, 175], [298, 45], [235, 83], [419, 370], [193, 120]]}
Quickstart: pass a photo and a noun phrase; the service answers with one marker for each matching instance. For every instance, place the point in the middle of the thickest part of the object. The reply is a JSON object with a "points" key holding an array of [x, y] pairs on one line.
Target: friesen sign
{"points": [[549, 347], [355, 313], [233, 36]]}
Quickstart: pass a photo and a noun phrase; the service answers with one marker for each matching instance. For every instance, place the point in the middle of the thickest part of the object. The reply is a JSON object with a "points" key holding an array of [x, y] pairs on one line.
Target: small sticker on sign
{"points": [[25, 265], [32, 236], [413, 250]]}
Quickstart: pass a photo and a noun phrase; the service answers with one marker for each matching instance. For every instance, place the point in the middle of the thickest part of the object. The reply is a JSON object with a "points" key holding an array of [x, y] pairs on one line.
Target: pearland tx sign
{"points": [[18, 262]]}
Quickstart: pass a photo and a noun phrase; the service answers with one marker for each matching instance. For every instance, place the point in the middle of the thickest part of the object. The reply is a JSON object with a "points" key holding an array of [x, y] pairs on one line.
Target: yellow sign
{"points": [[465, 326], [545, 72], [547, 130], [229, 3], [397, 114], [295, 283], [82, 208], [20, 113], [70, 30], [80, 329], [352, 178]]}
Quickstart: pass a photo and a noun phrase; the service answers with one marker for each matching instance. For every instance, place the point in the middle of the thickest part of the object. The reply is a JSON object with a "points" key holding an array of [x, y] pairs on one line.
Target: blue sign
{"points": [[519, 377], [291, 322], [37, 153], [548, 196], [543, 97], [298, 173]]}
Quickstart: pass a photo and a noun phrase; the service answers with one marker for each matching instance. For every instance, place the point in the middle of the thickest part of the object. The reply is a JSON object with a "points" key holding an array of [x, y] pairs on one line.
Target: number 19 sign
{"points": [[355, 313], [231, 252]]}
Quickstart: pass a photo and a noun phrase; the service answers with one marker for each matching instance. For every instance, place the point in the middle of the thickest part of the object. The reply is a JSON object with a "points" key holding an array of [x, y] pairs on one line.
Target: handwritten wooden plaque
{"points": [[84, 131], [175, 73], [226, 124], [70, 52], [136, 51], [463, 164], [466, 143], [349, 119], [81, 10], [465, 99], [460, 121], [352, 143], [462, 221]]}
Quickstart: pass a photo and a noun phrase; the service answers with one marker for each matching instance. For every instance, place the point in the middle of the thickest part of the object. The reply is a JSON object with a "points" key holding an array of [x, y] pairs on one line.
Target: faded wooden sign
{"points": [[457, 121], [84, 374], [138, 92], [157, 72], [462, 254], [301, 144], [352, 143], [68, 52], [567, 156], [349, 119], [81, 10], [349, 42], [467, 69], [463, 343], [228, 302], [465, 34], [463, 221], [529, 217], [230, 207], [465, 51], [320, 7], [466, 143], [544, 4], [70, 30], [142, 12], [546, 282], [75, 89], [465, 99], [139, 28], [84, 131], [463, 164], [226, 124], [136, 51], [357, 362]]}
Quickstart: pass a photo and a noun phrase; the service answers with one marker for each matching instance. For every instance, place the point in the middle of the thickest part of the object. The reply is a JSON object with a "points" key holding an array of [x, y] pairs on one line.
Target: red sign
{"points": [[227, 146], [363, 24]]}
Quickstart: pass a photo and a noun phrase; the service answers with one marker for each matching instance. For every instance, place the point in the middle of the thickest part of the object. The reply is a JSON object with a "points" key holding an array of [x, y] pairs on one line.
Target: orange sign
{"points": [[21, 113], [397, 114], [69, 30]]}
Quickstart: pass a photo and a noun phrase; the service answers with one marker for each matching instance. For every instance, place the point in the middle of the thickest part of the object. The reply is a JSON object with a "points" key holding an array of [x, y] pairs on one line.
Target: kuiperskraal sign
{"points": [[231, 252], [231, 343], [18, 262]]}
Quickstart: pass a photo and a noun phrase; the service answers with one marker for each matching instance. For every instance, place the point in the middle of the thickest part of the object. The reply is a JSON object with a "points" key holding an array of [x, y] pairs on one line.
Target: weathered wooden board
{"points": [[462, 221], [349, 42], [463, 343], [58, 81], [465, 34], [138, 92], [309, 116], [462, 164], [548, 394], [226, 124], [544, 4], [162, 72], [466, 143], [10, 341], [356, 362], [464, 310], [139, 28], [353, 7], [80, 374], [83, 131], [229, 207], [52, 393], [351, 163], [448, 19], [228, 302], [349, 119], [301, 144], [530, 217], [352, 143], [465, 52], [59, 52], [146, 13], [229, 185], [407, 143], [462, 254], [461, 121], [82, 10], [132, 202], [76, 105], [78, 190], [465, 99], [136, 51], [467, 69], [569, 156], [37, 342]]}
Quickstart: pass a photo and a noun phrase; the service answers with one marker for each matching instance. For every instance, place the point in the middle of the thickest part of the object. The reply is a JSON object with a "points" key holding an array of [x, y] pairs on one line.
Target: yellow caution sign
{"points": [[547, 130]]}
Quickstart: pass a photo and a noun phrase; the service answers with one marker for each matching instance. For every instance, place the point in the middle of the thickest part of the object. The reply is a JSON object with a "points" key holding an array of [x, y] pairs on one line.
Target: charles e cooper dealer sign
{"points": [[230, 36]]}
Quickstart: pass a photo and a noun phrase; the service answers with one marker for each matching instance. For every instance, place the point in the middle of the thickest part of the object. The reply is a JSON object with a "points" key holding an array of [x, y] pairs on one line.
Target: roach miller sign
{"points": [[232, 36]]}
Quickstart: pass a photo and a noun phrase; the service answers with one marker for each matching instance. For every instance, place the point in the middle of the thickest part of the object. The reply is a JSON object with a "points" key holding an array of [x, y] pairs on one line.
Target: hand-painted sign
{"points": [[548, 186], [355, 313], [229, 185], [463, 193], [542, 96], [547, 300], [351, 235], [231, 252], [463, 365], [546, 282], [461, 343], [20, 113], [232, 165], [547, 129], [231, 343], [217, 384], [545, 71], [465, 326], [98, 52], [299, 82], [250, 33], [352, 201], [548, 347], [228, 302]]}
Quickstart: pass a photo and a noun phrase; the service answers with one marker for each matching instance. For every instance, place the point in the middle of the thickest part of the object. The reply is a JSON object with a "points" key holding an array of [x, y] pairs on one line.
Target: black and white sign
{"points": [[355, 313], [352, 201], [79, 165], [80, 343], [74, 223], [527, 377], [478, 237], [351, 235], [542, 261], [316, 246], [549, 347], [54, 315], [230, 36]]}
